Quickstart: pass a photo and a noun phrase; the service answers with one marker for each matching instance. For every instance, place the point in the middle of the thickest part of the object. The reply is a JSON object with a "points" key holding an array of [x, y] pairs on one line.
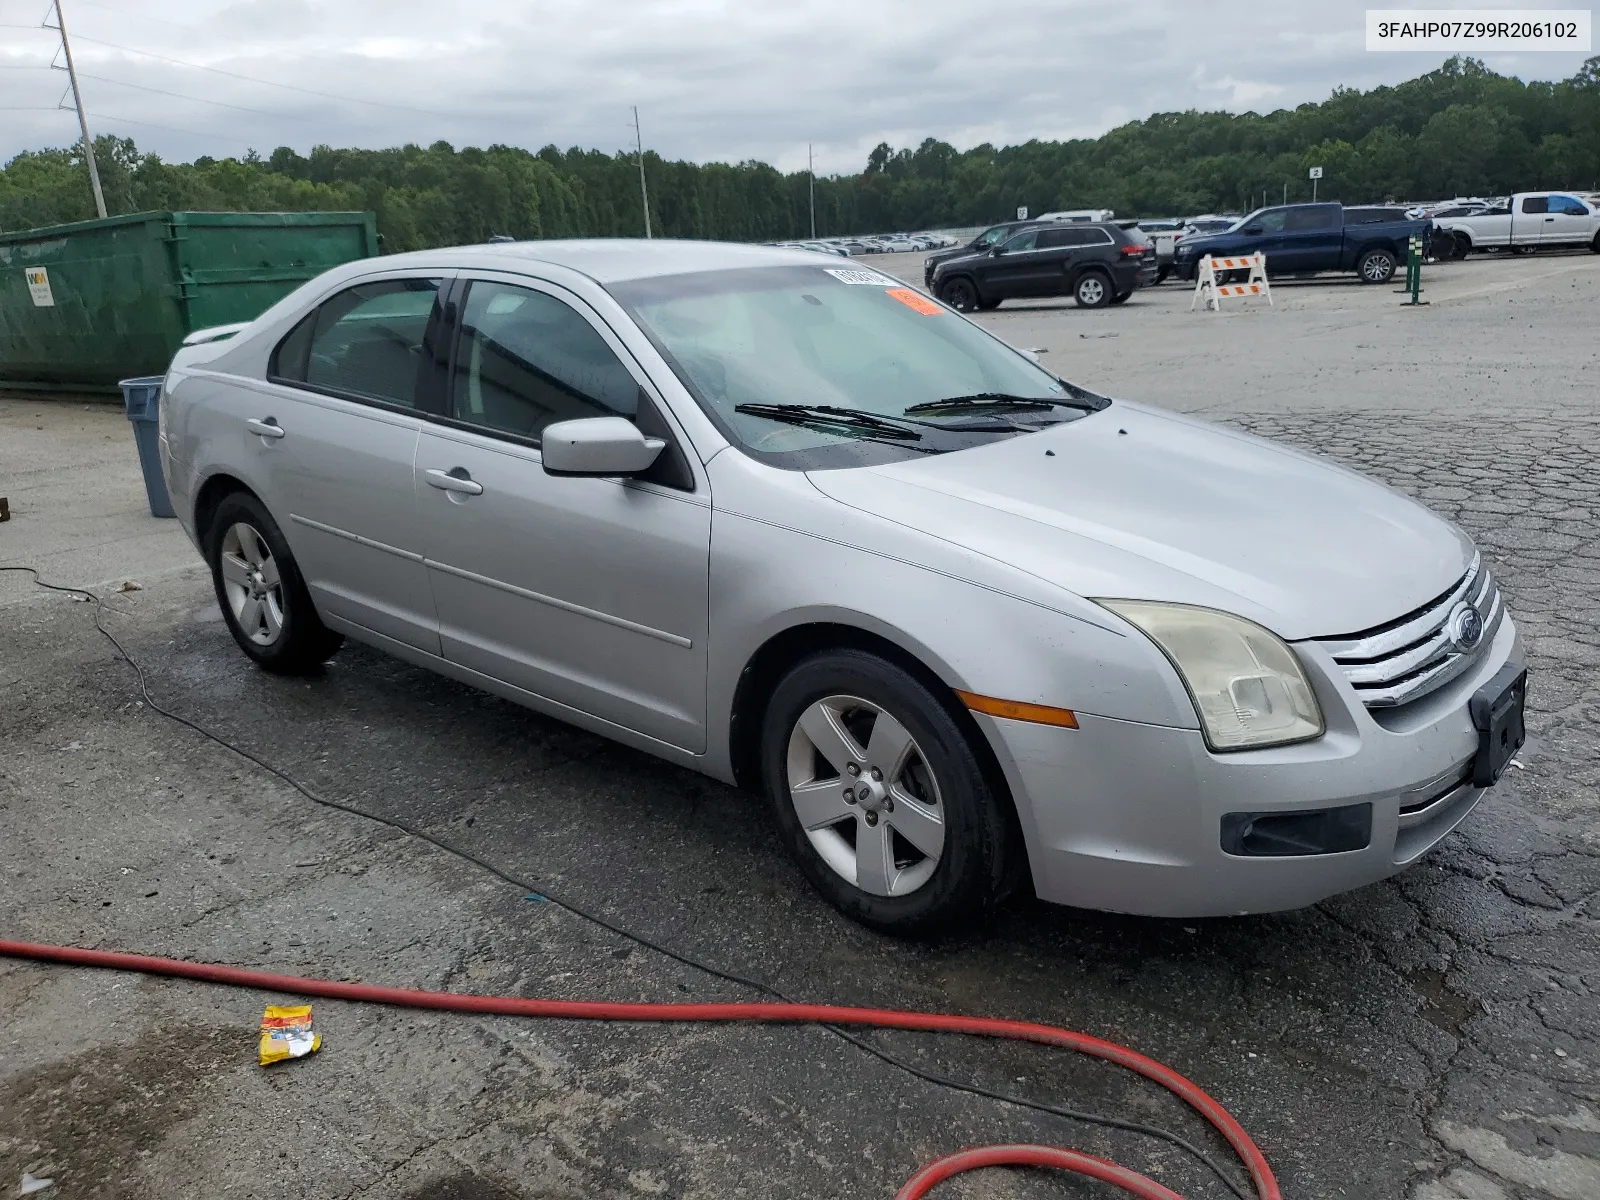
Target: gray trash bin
{"points": [[141, 400]]}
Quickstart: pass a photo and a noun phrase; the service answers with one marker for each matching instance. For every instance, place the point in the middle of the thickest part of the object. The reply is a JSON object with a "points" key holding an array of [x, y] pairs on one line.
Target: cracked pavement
{"points": [[1435, 1037]]}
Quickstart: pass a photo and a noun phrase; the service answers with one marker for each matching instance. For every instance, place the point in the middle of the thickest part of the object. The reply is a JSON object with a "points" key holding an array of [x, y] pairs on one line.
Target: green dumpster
{"points": [[87, 304]]}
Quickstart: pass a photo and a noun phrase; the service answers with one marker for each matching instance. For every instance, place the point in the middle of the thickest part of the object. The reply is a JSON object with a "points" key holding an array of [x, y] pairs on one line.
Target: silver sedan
{"points": [[968, 627]]}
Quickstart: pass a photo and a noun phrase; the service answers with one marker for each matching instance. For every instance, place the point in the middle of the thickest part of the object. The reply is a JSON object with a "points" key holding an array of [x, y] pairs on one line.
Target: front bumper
{"points": [[1127, 817]]}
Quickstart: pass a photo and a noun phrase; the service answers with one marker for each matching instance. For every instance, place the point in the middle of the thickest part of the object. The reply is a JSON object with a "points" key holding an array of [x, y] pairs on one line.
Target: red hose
{"points": [[882, 1018]]}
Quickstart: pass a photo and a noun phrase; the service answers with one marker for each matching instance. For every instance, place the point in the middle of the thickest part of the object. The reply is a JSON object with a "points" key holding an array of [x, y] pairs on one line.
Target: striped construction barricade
{"points": [[1209, 289]]}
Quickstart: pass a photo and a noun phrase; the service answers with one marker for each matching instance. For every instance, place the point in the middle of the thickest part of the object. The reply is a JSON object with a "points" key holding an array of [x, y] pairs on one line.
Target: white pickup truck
{"points": [[1531, 221]]}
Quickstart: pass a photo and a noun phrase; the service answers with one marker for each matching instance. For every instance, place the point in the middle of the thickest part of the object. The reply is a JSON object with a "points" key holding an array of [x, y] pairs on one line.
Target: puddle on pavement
{"points": [[1448, 1010]]}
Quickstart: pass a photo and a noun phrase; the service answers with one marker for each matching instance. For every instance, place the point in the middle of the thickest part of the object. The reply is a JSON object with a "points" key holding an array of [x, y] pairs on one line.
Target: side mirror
{"points": [[1254, 231], [994, 252], [597, 446]]}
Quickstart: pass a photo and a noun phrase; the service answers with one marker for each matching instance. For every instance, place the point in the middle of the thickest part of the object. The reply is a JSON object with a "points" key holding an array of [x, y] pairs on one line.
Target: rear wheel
{"points": [[1376, 266], [259, 587], [880, 796], [1595, 245], [988, 305], [1121, 297], [960, 295], [1093, 290], [1162, 273]]}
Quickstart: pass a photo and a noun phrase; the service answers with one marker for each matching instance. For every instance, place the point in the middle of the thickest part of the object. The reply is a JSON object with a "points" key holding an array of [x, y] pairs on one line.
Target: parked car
{"points": [[1530, 221], [791, 524], [1164, 234], [1095, 264], [982, 243], [1080, 214], [1304, 238]]}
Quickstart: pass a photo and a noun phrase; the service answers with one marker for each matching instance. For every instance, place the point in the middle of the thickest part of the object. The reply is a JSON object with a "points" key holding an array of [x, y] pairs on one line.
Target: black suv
{"points": [[1095, 263], [981, 244]]}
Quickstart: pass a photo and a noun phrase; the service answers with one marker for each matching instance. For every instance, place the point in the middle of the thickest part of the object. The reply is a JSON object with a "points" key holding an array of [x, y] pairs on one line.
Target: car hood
{"points": [[960, 256], [1137, 503]]}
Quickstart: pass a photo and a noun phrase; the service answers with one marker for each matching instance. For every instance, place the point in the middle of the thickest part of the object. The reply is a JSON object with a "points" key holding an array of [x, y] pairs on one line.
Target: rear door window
{"points": [[1535, 204], [1306, 220], [366, 343]]}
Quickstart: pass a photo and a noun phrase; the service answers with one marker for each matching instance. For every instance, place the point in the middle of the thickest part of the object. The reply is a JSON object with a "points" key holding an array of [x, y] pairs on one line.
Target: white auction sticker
{"points": [[1473, 30], [39, 287], [862, 278]]}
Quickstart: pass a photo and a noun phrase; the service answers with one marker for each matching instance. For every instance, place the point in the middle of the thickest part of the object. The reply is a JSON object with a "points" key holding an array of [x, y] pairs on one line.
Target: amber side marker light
{"points": [[1038, 714]]}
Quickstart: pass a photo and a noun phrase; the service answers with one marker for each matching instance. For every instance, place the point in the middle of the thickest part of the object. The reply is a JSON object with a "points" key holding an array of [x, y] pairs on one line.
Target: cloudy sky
{"points": [[713, 79]]}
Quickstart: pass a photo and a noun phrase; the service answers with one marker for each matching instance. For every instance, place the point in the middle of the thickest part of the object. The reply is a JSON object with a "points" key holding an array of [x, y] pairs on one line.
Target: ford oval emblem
{"points": [[1465, 628]]}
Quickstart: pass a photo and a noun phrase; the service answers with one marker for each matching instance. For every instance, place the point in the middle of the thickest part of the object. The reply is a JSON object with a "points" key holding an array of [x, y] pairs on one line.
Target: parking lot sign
{"points": [[1022, 212], [1316, 172]]}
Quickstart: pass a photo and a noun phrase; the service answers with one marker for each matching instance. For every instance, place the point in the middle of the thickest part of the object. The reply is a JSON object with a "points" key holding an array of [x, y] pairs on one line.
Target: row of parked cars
{"points": [[877, 243], [1521, 223]]}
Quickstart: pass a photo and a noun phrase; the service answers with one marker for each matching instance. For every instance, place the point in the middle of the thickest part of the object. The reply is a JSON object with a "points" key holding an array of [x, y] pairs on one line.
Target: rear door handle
{"points": [[455, 479], [267, 427]]}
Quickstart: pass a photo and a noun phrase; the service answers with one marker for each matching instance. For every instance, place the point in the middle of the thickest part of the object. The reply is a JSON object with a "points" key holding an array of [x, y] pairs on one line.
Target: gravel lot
{"points": [[1436, 1037]]}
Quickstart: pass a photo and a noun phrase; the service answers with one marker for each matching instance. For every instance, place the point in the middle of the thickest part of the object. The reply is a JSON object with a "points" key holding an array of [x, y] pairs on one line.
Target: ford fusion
{"points": [[967, 627]]}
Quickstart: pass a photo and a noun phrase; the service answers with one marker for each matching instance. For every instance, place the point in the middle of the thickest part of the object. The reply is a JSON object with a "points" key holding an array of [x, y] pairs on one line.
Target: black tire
{"points": [[1162, 273], [1121, 297], [1376, 266], [301, 643], [1522, 249], [1594, 246], [988, 305], [959, 294], [1092, 289], [981, 856], [1463, 245]]}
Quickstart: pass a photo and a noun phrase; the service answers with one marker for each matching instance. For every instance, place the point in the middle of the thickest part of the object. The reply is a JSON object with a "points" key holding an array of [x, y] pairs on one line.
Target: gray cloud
{"points": [[714, 79]]}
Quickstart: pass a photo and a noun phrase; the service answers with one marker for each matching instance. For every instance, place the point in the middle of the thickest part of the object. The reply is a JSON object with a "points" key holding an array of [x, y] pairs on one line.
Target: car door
{"points": [[1311, 239], [335, 434], [591, 592], [1531, 221], [1061, 251], [1568, 221], [1018, 267]]}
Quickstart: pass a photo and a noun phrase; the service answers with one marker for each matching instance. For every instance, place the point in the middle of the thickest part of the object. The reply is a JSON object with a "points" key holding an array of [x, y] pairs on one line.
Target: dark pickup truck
{"points": [[1302, 238]]}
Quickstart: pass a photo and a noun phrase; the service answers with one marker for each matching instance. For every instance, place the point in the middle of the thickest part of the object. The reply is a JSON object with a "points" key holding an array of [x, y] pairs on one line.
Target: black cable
{"points": [[412, 831]]}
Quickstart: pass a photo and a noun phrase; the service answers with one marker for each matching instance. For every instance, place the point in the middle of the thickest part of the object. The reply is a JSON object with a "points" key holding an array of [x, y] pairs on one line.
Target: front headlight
{"points": [[1247, 685]]}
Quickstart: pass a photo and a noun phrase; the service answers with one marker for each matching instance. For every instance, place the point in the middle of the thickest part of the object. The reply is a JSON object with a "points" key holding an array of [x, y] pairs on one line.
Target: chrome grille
{"points": [[1411, 656]]}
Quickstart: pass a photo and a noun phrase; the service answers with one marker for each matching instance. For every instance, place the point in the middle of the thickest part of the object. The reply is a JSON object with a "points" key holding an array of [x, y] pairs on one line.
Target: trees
{"points": [[1459, 129]]}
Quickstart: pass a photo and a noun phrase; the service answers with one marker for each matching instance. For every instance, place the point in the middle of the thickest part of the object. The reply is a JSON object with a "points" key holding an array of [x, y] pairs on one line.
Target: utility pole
{"points": [[1286, 193], [811, 180], [644, 191], [83, 122]]}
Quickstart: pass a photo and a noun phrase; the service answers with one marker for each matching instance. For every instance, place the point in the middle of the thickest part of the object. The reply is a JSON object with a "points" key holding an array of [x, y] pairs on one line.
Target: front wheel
{"points": [[960, 295], [1376, 266], [881, 797], [1092, 290], [263, 597]]}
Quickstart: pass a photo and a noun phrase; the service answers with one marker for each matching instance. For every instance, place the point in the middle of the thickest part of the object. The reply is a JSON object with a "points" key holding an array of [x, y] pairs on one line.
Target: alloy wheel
{"points": [[251, 581], [1091, 290], [1377, 268], [865, 796]]}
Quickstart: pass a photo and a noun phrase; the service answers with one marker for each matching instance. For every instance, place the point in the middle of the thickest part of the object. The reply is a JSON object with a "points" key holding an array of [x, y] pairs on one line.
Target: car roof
{"points": [[612, 260]]}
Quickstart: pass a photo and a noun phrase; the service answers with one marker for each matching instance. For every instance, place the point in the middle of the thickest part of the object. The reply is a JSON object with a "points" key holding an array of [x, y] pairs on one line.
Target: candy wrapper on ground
{"points": [[286, 1033]]}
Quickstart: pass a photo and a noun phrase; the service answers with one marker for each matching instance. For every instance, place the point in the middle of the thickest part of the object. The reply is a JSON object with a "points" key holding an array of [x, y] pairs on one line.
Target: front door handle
{"points": [[455, 479], [267, 427]]}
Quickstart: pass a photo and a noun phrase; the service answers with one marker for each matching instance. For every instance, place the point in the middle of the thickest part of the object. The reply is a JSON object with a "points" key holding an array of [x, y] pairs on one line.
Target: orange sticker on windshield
{"points": [[916, 300]]}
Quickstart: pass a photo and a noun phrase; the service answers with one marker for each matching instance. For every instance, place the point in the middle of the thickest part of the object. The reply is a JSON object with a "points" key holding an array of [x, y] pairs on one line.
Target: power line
{"points": [[265, 82], [180, 96], [154, 125]]}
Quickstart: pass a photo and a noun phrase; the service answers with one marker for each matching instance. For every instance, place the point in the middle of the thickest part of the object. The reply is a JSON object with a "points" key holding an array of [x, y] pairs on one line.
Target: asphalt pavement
{"points": [[1435, 1037]]}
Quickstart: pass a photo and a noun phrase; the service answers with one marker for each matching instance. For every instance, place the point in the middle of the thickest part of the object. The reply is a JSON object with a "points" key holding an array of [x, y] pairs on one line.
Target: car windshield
{"points": [[830, 341]]}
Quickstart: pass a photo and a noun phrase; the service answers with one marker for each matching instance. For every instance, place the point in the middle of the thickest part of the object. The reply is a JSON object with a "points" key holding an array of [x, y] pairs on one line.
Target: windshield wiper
{"points": [[982, 400], [830, 414]]}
